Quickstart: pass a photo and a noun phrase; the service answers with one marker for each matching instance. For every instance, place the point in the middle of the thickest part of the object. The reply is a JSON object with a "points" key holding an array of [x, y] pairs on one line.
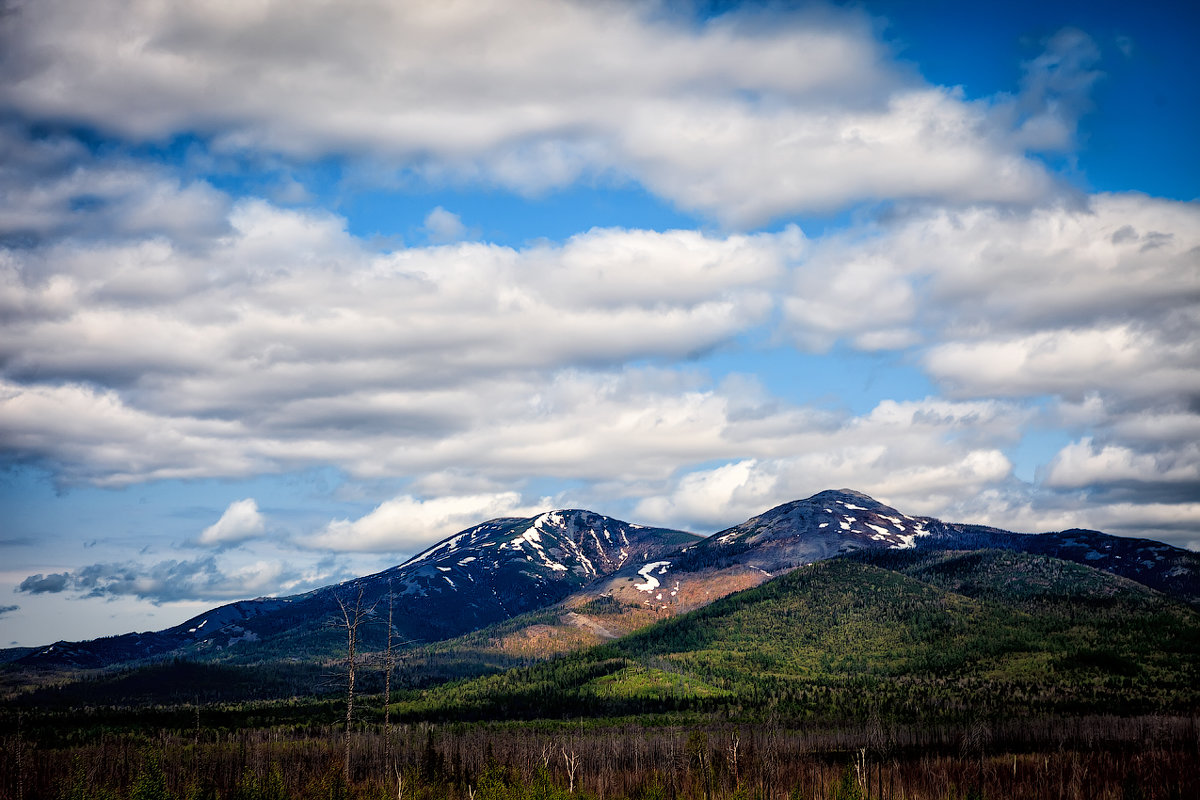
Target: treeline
{"points": [[1096, 758]]}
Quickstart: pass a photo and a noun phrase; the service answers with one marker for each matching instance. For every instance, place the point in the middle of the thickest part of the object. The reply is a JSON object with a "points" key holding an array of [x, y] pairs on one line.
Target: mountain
{"points": [[1171, 570], [840, 522], [482, 575], [525, 589], [903, 635]]}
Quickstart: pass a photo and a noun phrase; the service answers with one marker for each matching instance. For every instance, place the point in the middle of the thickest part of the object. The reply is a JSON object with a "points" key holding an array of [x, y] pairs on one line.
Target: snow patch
{"points": [[651, 582], [853, 507]]}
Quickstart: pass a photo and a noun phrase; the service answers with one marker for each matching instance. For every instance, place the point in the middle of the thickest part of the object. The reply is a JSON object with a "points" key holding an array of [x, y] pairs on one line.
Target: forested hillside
{"points": [[934, 637]]}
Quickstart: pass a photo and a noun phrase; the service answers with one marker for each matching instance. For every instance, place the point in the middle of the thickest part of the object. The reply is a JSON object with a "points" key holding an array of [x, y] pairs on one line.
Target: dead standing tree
{"points": [[353, 617], [389, 667]]}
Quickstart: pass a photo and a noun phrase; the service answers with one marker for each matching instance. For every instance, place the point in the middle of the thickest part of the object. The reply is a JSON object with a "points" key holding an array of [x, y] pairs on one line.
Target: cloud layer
{"points": [[744, 117], [176, 304], [176, 580], [284, 342]]}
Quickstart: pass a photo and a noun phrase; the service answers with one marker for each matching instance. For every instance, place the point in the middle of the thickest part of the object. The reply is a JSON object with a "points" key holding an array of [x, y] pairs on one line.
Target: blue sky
{"points": [[290, 291]]}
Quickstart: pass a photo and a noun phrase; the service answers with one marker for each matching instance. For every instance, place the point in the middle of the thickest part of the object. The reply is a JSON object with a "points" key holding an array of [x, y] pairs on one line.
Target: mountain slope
{"points": [[477, 577], [845, 639], [838, 522], [611, 578]]}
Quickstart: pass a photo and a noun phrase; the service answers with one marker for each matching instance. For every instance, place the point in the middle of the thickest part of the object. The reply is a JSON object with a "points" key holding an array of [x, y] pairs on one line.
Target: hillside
{"points": [[480, 576], [512, 591], [843, 639]]}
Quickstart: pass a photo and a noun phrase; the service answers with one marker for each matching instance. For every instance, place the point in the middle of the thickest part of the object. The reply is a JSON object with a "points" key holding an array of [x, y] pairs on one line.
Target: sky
{"points": [[290, 291]]}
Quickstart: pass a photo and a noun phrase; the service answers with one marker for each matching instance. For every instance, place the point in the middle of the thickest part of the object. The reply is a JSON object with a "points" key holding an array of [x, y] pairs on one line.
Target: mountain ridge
{"points": [[504, 567], [476, 577]]}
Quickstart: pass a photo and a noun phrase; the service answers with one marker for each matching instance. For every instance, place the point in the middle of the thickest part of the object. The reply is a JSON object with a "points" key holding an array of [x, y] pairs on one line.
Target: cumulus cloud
{"points": [[444, 226], [176, 580], [288, 342], [241, 521], [1119, 263], [153, 328], [919, 455], [1089, 308], [53, 186], [744, 116], [1130, 360], [406, 524], [1085, 463]]}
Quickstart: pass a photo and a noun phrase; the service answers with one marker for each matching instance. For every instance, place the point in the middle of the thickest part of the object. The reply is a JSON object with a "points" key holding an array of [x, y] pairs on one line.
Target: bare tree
{"points": [[399, 782], [353, 616], [571, 760], [735, 743], [389, 667]]}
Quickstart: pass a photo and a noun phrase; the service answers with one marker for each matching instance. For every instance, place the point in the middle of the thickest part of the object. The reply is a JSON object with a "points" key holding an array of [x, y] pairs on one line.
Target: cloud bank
{"points": [[744, 116], [182, 299], [178, 580]]}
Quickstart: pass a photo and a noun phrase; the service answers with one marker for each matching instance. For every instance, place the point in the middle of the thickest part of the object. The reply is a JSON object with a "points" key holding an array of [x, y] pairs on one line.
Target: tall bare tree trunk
{"points": [[352, 618], [387, 686]]}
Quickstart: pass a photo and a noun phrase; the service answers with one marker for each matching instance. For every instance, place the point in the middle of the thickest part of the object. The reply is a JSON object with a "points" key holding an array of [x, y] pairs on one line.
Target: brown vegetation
{"points": [[1094, 758]]}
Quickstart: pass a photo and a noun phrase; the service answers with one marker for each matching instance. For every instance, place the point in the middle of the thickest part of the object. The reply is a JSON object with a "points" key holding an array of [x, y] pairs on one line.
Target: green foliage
{"points": [[329, 786], [913, 636], [503, 783], [267, 787], [652, 788], [151, 782], [604, 604], [847, 787], [80, 787]]}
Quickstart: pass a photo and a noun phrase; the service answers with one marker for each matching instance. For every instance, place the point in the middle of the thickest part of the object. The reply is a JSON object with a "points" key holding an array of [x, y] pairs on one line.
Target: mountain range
{"points": [[566, 579]]}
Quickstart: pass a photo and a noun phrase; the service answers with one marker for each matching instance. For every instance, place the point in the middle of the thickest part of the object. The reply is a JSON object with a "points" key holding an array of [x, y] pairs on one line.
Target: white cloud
{"points": [[406, 524], [180, 580], [922, 456], [744, 117], [958, 277], [286, 342], [241, 521], [444, 226], [52, 187], [1123, 359], [291, 298]]}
